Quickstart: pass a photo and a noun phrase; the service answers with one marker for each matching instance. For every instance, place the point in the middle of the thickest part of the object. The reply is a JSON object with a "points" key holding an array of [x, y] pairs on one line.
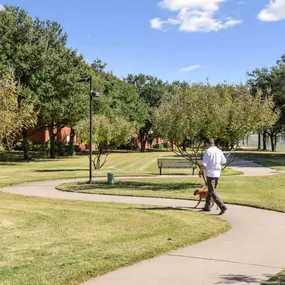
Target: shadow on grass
{"points": [[133, 185], [172, 174], [7, 163], [15, 162], [60, 170], [166, 209]]}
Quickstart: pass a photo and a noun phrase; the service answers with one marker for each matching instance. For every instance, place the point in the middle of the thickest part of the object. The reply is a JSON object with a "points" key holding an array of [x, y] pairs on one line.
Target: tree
{"points": [[118, 114], [271, 81], [61, 99], [121, 99], [188, 116], [14, 116], [63, 102], [227, 113], [45, 68], [119, 111], [107, 134], [20, 50], [151, 90], [247, 113]]}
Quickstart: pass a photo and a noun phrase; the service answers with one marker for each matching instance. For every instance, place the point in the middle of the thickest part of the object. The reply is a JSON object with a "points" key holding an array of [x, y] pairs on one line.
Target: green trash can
{"points": [[111, 178]]}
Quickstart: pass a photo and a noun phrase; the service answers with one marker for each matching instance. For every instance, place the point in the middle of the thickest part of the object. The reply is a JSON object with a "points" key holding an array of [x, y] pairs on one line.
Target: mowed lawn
{"points": [[121, 164], [62, 242], [262, 192], [66, 242]]}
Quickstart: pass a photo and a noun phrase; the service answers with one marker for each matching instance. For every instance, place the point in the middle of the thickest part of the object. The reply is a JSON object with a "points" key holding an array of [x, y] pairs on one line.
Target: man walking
{"points": [[212, 164]]}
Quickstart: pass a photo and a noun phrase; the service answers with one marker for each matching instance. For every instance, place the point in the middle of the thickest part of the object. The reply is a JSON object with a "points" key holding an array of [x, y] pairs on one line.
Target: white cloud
{"points": [[157, 23], [176, 5], [190, 68], [202, 21], [194, 16], [241, 3], [2, 8], [274, 11]]}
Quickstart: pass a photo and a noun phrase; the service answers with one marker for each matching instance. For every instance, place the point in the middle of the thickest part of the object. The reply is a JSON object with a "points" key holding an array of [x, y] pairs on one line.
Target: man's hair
{"points": [[210, 141]]}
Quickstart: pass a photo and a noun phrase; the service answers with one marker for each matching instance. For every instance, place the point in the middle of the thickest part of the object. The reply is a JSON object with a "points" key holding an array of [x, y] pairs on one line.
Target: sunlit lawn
{"points": [[63, 242], [121, 164], [66, 242], [263, 192]]}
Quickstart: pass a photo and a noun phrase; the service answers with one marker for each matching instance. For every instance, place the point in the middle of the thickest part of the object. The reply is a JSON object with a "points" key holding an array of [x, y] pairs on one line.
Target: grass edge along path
{"points": [[88, 241], [258, 192], [25, 221], [273, 160], [278, 279], [121, 164]]}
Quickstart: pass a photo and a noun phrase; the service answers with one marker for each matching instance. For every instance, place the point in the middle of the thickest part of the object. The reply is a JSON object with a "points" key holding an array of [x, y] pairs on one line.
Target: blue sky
{"points": [[172, 39]]}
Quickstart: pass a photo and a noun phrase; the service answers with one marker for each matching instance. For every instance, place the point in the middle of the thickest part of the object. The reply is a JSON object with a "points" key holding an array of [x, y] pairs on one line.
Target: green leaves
{"points": [[121, 99], [107, 132], [225, 112], [16, 113], [270, 83]]}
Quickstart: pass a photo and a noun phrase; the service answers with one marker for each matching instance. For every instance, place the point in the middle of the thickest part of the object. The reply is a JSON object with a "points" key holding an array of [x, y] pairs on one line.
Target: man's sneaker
{"points": [[206, 210], [223, 210]]}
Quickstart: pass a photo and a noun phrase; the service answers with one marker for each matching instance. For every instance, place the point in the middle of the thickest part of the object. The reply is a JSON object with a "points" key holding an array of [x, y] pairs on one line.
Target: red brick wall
{"points": [[40, 136]]}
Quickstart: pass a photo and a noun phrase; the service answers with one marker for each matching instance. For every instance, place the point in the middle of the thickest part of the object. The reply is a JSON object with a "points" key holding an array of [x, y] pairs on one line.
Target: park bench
{"points": [[175, 163]]}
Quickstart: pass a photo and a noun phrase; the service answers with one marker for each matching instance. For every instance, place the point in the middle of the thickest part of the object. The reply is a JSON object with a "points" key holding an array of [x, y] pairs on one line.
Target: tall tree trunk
{"points": [[71, 142], [272, 143], [184, 146], [143, 144], [25, 144], [259, 141], [275, 142], [142, 139], [52, 141], [264, 141]]}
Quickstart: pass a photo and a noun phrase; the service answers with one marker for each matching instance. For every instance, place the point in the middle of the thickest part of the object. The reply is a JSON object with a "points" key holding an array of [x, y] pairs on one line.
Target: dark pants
{"points": [[212, 184]]}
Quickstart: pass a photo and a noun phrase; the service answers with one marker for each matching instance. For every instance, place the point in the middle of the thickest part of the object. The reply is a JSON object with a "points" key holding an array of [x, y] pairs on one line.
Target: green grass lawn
{"points": [[122, 164], [263, 192], [66, 242], [276, 280], [275, 160]]}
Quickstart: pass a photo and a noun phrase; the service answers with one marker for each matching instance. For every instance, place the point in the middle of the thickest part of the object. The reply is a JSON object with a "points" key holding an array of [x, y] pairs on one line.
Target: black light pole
{"points": [[92, 94]]}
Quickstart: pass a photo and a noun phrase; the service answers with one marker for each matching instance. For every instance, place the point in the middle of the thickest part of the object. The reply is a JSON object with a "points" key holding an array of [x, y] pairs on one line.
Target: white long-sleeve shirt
{"points": [[213, 160]]}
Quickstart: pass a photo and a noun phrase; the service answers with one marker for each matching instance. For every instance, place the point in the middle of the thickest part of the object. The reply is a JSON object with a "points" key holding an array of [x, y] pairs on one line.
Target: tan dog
{"points": [[202, 193]]}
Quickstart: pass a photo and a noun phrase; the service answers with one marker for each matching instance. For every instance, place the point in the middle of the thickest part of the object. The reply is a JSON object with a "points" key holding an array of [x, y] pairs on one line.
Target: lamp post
{"points": [[91, 95]]}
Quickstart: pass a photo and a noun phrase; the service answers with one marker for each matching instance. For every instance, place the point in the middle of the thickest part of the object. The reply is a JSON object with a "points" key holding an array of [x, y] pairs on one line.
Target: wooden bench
{"points": [[175, 163]]}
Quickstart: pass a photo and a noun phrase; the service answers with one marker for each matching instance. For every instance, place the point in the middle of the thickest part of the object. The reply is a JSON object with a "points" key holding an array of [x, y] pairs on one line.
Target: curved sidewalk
{"points": [[251, 252], [250, 168]]}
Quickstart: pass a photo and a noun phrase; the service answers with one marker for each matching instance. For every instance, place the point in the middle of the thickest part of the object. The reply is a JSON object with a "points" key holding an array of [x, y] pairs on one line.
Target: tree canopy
{"points": [[224, 112], [271, 82], [107, 135], [13, 116], [151, 90], [41, 72]]}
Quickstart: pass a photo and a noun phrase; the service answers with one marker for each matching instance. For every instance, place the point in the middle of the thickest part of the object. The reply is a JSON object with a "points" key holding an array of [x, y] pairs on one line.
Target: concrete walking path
{"points": [[250, 168], [251, 252]]}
